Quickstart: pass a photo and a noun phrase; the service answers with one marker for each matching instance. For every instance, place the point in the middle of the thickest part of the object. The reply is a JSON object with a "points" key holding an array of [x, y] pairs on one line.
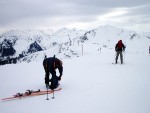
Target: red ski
{"points": [[30, 94]]}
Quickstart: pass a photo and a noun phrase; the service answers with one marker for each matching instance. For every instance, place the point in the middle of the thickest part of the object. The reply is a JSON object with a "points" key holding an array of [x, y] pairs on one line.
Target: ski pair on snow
{"points": [[30, 93]]}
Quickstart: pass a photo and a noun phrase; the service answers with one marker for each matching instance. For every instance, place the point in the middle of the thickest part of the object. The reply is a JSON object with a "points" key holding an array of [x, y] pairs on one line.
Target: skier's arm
{"points": [[60, 68], [116, 47], [124, 47]]}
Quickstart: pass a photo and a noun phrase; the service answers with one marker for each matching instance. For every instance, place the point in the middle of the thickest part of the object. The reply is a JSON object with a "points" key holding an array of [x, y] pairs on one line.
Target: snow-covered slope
{"points": [[32, 45], [89, 84], [22, 44], [108, 36]]}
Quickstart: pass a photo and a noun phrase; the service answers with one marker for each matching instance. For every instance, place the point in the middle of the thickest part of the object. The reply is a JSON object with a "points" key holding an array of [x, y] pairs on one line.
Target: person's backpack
{"points": [[54, 83], [120, 44]]}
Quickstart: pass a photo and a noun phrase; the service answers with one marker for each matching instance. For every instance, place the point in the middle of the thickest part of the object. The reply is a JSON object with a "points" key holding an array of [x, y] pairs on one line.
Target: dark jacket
{"points": [[120, 46], [51, 64]]}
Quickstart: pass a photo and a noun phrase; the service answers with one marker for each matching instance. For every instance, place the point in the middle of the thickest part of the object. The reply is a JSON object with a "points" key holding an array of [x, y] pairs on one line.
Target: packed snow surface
{"points": [[90, 84]]}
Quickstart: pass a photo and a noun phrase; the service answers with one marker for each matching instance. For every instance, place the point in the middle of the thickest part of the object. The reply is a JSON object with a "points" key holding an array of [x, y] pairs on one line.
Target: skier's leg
{"points": [[46, 74], [117, 56], [121, 57], [47, 79]]}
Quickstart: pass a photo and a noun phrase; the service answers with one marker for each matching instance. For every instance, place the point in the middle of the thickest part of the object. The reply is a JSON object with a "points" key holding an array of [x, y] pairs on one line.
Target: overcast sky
{"points": [[82, 14]]}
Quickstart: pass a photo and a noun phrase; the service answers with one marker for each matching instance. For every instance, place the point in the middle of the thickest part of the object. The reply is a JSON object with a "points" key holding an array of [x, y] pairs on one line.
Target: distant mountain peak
{"points": [[29, 45]]}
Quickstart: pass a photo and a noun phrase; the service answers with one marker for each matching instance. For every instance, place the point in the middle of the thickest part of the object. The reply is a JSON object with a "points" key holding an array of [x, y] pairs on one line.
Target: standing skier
{"points": [[119, 48], [50, 65]]}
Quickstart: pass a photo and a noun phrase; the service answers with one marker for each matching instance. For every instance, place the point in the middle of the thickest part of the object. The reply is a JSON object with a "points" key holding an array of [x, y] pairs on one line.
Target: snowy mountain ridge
{"points": [[30, 45]]}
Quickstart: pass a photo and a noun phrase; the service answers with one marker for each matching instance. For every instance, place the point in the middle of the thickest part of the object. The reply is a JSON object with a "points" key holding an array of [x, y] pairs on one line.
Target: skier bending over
{"points": [[50, 65], [119, 48]]}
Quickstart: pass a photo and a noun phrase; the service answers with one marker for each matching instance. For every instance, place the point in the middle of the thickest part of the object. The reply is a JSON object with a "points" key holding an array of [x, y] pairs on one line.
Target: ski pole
{"points": [[124, 56], [53, 95], [47, 94]]}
